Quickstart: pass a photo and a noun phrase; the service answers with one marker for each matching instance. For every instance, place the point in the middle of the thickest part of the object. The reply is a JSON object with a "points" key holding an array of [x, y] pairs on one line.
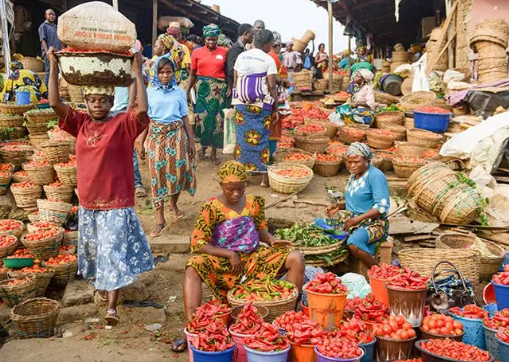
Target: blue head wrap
{"points": [[360, 149], [156, 83]]}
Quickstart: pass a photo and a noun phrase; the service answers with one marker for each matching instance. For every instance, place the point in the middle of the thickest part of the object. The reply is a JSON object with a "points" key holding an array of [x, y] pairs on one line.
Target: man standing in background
{"points": [[258, 25], [48, 37], [245, 36]]}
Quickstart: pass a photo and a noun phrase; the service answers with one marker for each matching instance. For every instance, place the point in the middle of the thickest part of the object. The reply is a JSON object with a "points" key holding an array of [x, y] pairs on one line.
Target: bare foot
{"points": [[177, 215], [140, 192]]}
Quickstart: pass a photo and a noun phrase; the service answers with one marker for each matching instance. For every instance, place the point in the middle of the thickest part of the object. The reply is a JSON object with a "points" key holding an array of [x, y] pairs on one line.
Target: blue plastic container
{"points": [[257, 356], [474, 331], [23, 98], [321, 358], [434, 122], [490, 336], [369, 349], [503, 351], [201, 356], [506, 261], [491, 309], [502, 295]]}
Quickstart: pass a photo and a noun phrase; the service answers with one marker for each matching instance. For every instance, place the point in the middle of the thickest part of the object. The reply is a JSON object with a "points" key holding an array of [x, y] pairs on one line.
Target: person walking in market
{"points": [[48, 38], [292, 59], [170, 143], [208, 72], [112, 247], [245, 36]]}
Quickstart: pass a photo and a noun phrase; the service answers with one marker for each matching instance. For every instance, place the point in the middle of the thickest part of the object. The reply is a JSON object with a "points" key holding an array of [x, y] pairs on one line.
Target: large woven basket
{"points": [[67, 175], [15, 294], [9, 249], [405, 149], [37, 128], [40, 117], [56, 212], [303, 80], [275, 307], [60, 193], [34, 217], [14, 109], [459, 205], [285, 184], [56, 151], [404, 167], [317, 144], [11, 121], [17, 156], [423, 260], [40, 175], [35, 318], [46, 248], [12, 133], [64, 273], [42, 280], [320, 263], [17, 232], [279, 156], [423, 138], [37, 139], [416, 99], [399, 131], [4, 182], [331, 129], [70, 238], [353, 133], [26, 197], [392, 117], [33, 64], [327, 169], [302, 133], [382, 141]]}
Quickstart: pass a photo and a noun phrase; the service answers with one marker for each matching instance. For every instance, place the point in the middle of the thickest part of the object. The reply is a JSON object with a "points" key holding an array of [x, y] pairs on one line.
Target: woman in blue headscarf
{"points": [[170, 142]]}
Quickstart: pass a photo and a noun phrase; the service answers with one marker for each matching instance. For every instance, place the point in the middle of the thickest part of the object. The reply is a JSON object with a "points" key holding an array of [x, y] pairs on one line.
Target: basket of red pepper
{"points": [[503, 344], [500, 320], [369, 310], [501, 284], [378, 276], [471, 316], [214, 344], [267, 345], [448, 350]]}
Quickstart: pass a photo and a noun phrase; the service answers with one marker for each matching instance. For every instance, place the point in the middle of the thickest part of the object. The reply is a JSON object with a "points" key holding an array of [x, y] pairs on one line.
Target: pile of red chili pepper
{"points": [[499, 320], [215, 338], [248, 321], [205, 314], [288, 319], [395, 328], [502, 277], [356, 331], [367, 309], [339, 348], [503, 335], [328, 283], [430, 109], [384, 271], [470, 311], [455, 350], [317, 113], [408, 279], [307, 332], [267, 339]]}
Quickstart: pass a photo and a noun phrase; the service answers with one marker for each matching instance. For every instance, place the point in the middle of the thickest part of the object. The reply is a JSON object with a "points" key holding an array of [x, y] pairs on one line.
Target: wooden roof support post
{"points": [[115, 5], [431, 63], [331, 47], [154, 21], [450, 33]]}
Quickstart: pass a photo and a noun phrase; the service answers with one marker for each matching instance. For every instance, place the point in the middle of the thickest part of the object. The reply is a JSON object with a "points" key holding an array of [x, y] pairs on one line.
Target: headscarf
{"points": [[345, 53], [366, 74], [167, 40], [211, 30], [99, 90], [156, 82], [224, 41], [289, 43], [15, 65], [277, 38], [359, 149], [232, 171], [174, 30]]}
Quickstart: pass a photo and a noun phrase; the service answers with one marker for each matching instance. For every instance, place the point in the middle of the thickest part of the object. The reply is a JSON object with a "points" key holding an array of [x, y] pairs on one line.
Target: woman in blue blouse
{"points": [[367, 204], [170, 142]]}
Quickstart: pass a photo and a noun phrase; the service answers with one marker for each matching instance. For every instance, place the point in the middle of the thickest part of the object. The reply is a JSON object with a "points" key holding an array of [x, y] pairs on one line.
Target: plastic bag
{"points": [[229, 135], [357, 285]]}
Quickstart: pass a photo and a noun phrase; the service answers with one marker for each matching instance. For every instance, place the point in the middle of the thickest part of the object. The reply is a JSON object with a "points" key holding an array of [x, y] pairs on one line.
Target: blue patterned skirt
{"points": [[112, 248]]}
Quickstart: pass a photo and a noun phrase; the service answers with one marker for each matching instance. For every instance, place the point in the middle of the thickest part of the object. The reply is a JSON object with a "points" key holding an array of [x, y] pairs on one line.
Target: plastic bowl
{"points": [[434, 122], [431, 357], [488, 294], [16, 263]]}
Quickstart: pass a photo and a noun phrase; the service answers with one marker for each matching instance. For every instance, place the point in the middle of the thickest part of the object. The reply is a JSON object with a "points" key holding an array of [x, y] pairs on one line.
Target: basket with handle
{"points": [[67, 175], [45, 248], [35, 318], [40, 175], [14, 109], [11, 121], [42, 280], [33, 64], [60, 193], [64, 273], [286, 184], [56, 151], [280, 156], [378, 140], [8, 249], [26, 197], [51, 211], [17, 293], [313, 144]]}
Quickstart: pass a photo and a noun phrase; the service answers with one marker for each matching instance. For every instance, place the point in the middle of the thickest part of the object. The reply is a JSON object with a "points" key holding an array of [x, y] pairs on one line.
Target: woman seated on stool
{"points": [[226, 239], [367, 204]]}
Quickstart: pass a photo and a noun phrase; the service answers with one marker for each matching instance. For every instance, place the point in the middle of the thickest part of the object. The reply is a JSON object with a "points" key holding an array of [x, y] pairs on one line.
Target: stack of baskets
{"points": [[58, 192], [45, 248], [281, 156], [490, 41], [399, 57], [286, 184], [303, 80], [37, 124], [16, 155], [433, 48], [11, 121], [56, 151]]}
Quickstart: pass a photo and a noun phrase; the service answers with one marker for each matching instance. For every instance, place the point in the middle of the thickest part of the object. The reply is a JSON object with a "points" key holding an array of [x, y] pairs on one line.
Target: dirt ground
{"points": [[131, 342]]}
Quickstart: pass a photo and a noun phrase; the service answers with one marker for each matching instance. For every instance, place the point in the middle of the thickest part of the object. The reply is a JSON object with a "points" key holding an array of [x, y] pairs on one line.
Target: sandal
{"points": [[140, 192], [176, 214], [100, 297], [111, 317], [178, 345], [157, 234]]}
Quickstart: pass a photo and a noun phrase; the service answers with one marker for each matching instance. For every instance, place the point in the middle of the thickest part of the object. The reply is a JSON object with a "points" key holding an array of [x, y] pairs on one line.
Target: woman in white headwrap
{"points": [[367, 204], [362, 106]]}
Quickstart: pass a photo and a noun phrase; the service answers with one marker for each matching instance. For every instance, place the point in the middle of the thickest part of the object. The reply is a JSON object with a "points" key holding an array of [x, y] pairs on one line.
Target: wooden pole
{"points": [[5, 37], [331, 47], [450, 31], [349, 53], [115, 4], [154, 21]]}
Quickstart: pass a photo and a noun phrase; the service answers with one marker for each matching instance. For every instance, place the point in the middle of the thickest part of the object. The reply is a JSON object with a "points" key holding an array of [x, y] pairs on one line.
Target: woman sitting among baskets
{"points": [[367, 204], [226, 240], [23, 79]]}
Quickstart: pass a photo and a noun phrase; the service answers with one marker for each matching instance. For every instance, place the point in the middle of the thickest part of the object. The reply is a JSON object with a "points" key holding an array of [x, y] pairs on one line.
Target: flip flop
{"points": [[179, 345], [111, 317], [155, 235], [140, 192]]}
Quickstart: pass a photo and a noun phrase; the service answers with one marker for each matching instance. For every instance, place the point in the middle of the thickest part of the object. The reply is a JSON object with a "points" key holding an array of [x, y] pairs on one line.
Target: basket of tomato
{"points": [[11, 227], [42, 277], [16, 154], [8, 243], [448, 350], [353, 133], [20, 176], [67, 172], [40, 173], [287, 178], [439, 326], [64, 266], [331, 129], [380, 138], [41, 225], [44, 243], [16, 290], [395, 339], [70, 237], [58, 191], [309, 130], [34, 217], [471, 316], [26, 194], [404, 167], [294, 155], [54, 211], [327, 165], [5, 179]]}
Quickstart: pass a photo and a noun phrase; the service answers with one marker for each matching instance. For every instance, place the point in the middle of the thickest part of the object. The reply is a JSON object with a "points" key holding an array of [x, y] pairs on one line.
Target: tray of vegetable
{"points": [[310, 239]]}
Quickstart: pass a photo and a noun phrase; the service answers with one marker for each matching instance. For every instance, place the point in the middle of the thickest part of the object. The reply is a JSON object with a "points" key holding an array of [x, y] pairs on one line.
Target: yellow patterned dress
{"points": [[218, 225]]}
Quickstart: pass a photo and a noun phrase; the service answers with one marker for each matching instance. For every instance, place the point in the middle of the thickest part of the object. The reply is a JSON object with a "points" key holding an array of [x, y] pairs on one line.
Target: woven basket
{"points": [[6, 122], [303, 80], [35, 318], [42, 280], [15, 294], [3, 274], [40, 117], [15, 232], [423, 260], [280, 155], [56, 212], [404, 168], [347, 136], [285, 184], [428, 192], [415, 100], [17, 157], [386, 164], [327, 169], [338, 150], [71, 251], [385, 118], [380, 140], [56, 151], [5, 251], [46, 248], [326, 264], [64, 273], [34, 217], [399, 131], [67, 175], [490, 264], [26, 197], [377, 161], [37, 128], [454, 241], [459, 206], [60, 193], [33, 64], [40, 175], [320, 250], [4, 182], [409, 123], [331, 129], [33, 227], [321, 84], [405, 149], [298, 132], [423, 138], [384, 98], [14, 109], [12, 133], [70, 238], [37, 139], [311, 144], [275, 307]]}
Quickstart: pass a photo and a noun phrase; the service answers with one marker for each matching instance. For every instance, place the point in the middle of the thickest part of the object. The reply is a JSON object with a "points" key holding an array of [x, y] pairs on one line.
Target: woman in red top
{"points": [[208, 65], [112, 247]]}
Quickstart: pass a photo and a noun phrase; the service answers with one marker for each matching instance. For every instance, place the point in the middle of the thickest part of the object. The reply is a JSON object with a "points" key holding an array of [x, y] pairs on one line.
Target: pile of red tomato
{"points": [[394, 328], [442, 325], [24, 185], [430, 109], [7, 240], [61, 259], [41, 234], [9, 225]]}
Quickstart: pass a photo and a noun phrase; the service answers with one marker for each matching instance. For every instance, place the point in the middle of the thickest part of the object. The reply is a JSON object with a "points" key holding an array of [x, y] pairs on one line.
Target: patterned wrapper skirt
{"points": [[368, 234], [171, 169], [112, 248], [208, 111], [358, 115], [252, 132], [217, 273]]}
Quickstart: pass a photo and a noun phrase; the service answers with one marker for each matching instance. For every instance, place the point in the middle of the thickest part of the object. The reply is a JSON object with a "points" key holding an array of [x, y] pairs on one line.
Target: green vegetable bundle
{"points": [[305, 235]]}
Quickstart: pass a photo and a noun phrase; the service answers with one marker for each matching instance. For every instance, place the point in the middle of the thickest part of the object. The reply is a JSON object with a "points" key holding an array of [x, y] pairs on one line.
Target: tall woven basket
{"points": [[60, 193], [67, 175], [26, 197], [40, 175], [56, 151], [313, 144], [382, 141], [46, 248], [327, 169], [285, 184], [35, 318], [51, 211], [16, 155], [280, 155]]}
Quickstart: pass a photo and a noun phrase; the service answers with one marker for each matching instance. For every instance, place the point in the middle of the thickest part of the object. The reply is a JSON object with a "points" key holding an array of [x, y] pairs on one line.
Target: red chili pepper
{"points": [[327, 284], [267, 339], [215, 338]]}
